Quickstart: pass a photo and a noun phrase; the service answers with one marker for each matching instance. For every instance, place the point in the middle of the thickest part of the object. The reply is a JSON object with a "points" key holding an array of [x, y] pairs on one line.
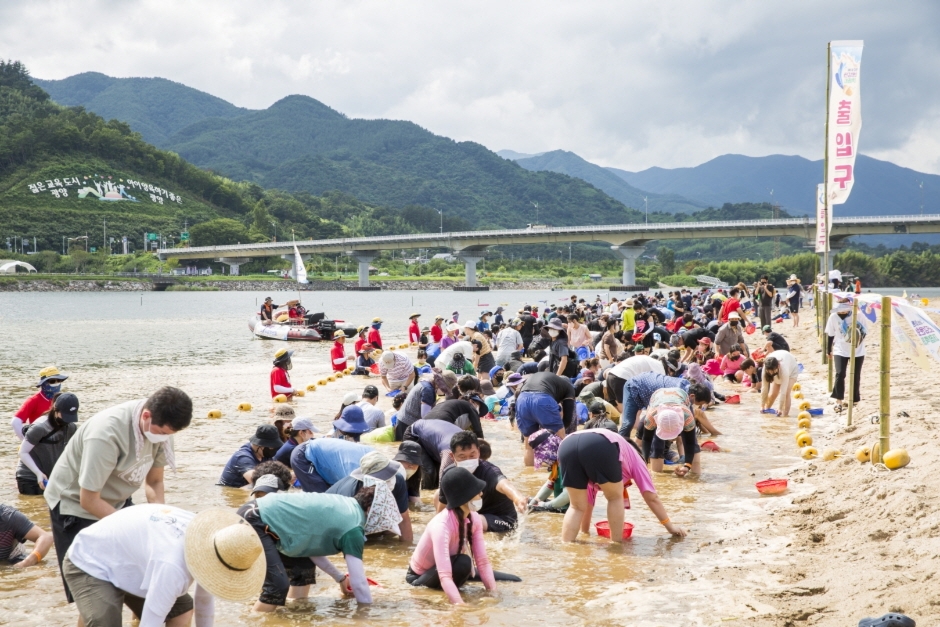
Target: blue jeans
{"points": [[537, 410], [630, 409]]}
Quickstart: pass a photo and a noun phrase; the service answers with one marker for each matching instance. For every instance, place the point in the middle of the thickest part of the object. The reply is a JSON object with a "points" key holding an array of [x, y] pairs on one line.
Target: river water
{"points": [[123, 346]]}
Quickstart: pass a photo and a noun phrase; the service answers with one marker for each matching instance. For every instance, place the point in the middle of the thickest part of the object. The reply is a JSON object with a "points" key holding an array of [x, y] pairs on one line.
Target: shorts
{"points": [[589, 458], [100, 603], [537, 410], [282, 571], [793, 306], [64, 530], [731, 378], [615, 386], [499, 524], [28, 486], [486, 362]]}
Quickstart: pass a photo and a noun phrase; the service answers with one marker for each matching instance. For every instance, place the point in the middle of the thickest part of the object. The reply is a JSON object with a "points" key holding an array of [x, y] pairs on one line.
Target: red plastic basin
{"points": [[772, 486], [733, 399], [603, 529]]}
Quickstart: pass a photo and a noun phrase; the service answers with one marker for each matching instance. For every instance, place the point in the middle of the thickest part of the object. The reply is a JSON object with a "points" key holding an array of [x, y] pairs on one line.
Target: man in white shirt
{"points": [[374, 416], [509, 341], [147, 556]]}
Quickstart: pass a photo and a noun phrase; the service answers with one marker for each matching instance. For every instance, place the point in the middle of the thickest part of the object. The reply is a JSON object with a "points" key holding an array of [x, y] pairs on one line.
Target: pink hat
{"points": [[669, 424]]}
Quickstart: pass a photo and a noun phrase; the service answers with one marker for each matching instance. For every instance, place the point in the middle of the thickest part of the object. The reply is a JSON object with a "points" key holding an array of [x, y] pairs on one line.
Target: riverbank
{"points": [[234, 285]]}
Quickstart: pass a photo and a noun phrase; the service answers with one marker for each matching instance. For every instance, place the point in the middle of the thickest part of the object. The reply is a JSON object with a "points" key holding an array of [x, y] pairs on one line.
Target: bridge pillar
{"points": [[470, 259], [629, 254], [233, 263], [364, 257]]}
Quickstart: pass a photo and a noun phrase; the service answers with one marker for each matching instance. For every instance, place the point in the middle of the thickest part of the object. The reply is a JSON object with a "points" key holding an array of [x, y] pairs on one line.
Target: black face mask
{"points": [[268, 452], [733, 323], [843, 315]]}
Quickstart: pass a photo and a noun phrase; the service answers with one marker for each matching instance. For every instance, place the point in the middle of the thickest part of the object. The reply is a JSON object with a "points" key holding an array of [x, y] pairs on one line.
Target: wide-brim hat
{"points": [[414, 315], [377, 466], [734, 316], [366, 348], [283, 355], [267, 436], [51, 373], [436, 318], [487, 388], [515, 379], [220, 534], [459, 486], [352, 421], [557, 324]]}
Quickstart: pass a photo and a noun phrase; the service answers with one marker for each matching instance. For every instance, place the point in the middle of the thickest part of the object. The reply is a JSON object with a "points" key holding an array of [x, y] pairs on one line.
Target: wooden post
{"points": [[853, 337], [884, 415]]}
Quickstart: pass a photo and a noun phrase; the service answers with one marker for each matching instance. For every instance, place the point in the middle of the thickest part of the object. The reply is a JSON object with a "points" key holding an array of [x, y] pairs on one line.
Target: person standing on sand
{"points": [[780, 374], [280, 381], [794, 296], [414, 329], [838, 328], [108, 459], [765, 293], [374, 337]]}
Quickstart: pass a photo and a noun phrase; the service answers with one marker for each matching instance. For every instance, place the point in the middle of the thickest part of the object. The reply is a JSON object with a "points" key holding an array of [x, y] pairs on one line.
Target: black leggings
{"points": [[841, 369], [461, 567]]}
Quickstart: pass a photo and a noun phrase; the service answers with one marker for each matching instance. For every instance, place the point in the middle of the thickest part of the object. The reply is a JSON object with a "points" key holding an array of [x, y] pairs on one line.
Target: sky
{"points": [[628, 84]]}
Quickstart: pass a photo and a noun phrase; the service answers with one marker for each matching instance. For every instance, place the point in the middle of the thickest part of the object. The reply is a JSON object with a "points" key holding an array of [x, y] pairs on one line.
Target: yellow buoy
{"points": [[414, 344], [339, 375], [809, 452], [244, 407], [804, 440], [896, 458], [280, 398], [924, 302], [402, 346], [804, 414], [321, 382], [830, 454], [214, 413], [800, 433], [804, 423], [331, 378], [797, 387], [798, 395], [804, 406], [299, 393], [348, 371], [311, 387], [863, 454]]}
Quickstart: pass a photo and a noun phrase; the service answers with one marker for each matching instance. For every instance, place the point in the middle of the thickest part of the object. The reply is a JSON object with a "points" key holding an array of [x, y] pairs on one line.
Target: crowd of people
{"points": [[601, 395]]}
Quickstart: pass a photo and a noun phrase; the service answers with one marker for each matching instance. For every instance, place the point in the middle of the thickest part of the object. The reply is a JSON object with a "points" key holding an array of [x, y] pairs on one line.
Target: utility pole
{"points": [[646, 201], [104, 235], [441, 211], [536, 205], [921, 198], [776, 209], [569, 253]]}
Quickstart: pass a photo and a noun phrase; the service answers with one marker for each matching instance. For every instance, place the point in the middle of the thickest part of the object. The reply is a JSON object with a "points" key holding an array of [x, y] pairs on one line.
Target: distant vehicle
{"points": [[536, 226]]}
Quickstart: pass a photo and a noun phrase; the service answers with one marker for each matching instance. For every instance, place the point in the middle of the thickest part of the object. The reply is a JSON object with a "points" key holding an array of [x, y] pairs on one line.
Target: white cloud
{"points": [[631, 85]]}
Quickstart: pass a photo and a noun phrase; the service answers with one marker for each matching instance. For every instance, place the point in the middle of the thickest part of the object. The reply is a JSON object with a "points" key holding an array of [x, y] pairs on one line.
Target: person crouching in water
{"points": [[364, 361], [440, 560]]}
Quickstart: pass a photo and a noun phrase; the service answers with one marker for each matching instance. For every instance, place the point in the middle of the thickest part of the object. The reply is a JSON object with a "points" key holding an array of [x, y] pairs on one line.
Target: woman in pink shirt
{"points": [[601, 459], [452, 544], [731, 364], [578, 334]]}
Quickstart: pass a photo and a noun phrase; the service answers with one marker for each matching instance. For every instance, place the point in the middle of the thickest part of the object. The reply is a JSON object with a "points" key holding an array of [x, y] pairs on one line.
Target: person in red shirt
{"points": [[374, 337], [414, 331], [50, 382], [338, 352], [732, 304], [361, 340], [437, 331], [280, 382]]}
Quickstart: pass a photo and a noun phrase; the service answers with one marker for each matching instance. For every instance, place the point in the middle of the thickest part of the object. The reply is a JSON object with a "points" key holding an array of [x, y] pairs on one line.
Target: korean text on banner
{"points": [[845, 118], [920, 337], [823, 226]]}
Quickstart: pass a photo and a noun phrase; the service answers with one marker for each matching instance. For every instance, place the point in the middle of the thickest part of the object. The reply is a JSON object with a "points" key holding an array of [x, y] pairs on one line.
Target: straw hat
{"points": [[224, 555]]}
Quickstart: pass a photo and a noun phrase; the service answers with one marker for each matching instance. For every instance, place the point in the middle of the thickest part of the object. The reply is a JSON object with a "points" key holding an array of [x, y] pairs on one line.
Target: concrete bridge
{"points": [[627, 241]]}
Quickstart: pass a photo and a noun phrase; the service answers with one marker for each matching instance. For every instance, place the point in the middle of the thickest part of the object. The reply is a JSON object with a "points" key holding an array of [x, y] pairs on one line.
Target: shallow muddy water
{"points": [[122, 346]]}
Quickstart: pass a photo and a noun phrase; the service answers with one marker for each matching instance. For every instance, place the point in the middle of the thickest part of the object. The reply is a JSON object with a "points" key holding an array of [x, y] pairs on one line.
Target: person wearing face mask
{"points": [[374, 337], [262, 447], [44, 443], [731, 364], [781, 371], [301, 430], [441, 560], [561, 358], [839, 342], [729, 334], [501, 500], [50, 382], [280, 381], [380, 468], [110, 456], [409, 456]]}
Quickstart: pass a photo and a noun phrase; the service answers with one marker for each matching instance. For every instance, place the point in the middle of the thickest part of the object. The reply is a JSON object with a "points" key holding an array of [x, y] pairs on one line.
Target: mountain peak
{"points": [[299, 103]]}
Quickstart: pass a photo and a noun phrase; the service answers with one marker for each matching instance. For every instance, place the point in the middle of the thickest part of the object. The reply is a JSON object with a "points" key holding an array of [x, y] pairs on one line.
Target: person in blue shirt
{"points": [[260, 448], [320, 463], [301, 430]]}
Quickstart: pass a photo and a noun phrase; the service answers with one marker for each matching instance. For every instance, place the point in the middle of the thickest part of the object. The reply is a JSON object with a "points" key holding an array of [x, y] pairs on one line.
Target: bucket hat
{"points": [[267, 436], [51, 373], [459, 486], [224, 555], [352, 420]]}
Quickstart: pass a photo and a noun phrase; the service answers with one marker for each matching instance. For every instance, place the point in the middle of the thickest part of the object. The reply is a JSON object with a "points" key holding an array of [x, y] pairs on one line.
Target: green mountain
{"points": [[154, 107], [603, 179], [301, 145]]}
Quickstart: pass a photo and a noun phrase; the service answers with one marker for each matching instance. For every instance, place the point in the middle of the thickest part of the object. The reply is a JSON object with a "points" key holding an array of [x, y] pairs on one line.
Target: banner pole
{"points": [[829, 361], [853, 336], [884, 416]]}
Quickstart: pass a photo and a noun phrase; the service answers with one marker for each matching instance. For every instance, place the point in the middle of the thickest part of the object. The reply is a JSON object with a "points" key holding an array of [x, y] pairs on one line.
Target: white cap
{"points": [[352, 397]]}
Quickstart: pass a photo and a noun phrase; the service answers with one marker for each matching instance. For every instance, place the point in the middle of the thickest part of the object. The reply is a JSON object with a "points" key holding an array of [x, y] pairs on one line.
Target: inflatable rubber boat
{"points": [[313, 328]]}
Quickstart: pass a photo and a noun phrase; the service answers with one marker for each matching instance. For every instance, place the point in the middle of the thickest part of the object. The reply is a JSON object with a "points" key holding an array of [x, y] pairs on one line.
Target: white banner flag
{"points": [[845, 118], [822, 232]]}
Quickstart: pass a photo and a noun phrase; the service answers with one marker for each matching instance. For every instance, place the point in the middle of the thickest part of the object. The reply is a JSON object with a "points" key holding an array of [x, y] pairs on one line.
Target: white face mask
{"points": [[156, 438], [409, 472], [469, 464], [475, 505], [553, 333]]}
